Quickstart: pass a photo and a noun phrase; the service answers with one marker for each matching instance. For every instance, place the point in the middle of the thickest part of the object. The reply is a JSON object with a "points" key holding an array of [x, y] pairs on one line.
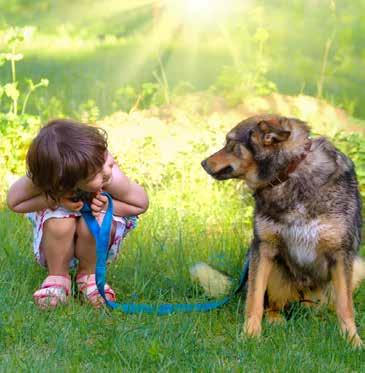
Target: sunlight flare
{"points": [[200, 12]]}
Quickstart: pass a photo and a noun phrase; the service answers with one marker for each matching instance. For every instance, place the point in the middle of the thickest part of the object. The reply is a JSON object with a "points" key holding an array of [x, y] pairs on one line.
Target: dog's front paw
{"points": [[275, 318], [356, 341], [252, 327]]}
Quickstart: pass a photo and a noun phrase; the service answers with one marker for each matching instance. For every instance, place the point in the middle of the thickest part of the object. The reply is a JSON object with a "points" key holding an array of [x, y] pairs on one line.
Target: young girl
{"points": [[65, 158]]}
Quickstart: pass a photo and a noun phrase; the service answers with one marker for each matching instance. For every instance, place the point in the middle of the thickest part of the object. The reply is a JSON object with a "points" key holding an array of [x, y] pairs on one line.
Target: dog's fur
{"points": [[307, 219]]}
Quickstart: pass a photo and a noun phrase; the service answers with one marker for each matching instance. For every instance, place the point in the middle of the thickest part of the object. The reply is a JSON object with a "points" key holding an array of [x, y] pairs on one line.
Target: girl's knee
{"points": [[113, 230], [82, 230], [60, 228]]}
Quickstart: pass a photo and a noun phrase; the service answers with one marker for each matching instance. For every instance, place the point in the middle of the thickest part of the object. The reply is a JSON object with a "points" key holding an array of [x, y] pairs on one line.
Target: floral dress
{"points": [[123, 226]]}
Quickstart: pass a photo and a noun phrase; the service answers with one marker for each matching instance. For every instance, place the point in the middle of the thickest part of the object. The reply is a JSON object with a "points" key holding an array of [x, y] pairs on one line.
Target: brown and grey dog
{"points": [[307, 219]]}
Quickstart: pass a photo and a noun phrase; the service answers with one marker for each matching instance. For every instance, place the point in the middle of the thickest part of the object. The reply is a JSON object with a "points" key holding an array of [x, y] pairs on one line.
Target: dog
{"points": [[307, 219]]}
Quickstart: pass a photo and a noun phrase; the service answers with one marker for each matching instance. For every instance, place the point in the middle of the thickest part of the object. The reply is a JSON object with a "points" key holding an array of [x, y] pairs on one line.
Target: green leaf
{"points": [[261, 35], [12, 56], [30, 84], [11, 90], [44, 82]]}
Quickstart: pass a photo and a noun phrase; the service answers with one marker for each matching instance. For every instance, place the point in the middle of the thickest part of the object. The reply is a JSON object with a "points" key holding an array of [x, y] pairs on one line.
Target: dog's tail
{"points": [[214, 282], [358, 272]]}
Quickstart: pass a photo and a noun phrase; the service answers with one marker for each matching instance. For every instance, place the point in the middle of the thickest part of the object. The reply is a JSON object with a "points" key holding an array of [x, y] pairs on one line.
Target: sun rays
{"points": [[187, 25]]}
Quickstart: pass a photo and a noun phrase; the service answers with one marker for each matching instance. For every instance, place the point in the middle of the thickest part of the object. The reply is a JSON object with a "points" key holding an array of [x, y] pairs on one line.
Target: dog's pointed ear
{"points": [[272, 134]]}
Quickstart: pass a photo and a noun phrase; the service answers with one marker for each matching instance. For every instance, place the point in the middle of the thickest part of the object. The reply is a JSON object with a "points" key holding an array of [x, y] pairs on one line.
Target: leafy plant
{"points": [[125, 98], [49, 108], [244, 80], [161, 78], [88, 112], [354, 146], [31, 88], [129, 98], [16, 129], [12, 38], [16, 133]]}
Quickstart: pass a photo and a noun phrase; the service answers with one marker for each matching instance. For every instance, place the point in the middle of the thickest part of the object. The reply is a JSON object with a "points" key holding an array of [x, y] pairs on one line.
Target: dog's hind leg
{"points": [[280, 291], [358, 275], [342, 273]]}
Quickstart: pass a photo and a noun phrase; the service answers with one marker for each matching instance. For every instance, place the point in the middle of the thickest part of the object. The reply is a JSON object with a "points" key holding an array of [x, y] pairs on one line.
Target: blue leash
{"points": [[102, 234]]}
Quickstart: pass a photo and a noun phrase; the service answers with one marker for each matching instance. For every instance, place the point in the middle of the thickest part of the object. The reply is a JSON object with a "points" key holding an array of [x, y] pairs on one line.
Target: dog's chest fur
{"points": [[299, 234], [301, 238]]}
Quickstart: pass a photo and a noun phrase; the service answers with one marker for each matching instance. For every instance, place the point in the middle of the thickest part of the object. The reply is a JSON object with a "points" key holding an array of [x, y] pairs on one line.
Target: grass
{"points": [[191, 218], [153, 268]]}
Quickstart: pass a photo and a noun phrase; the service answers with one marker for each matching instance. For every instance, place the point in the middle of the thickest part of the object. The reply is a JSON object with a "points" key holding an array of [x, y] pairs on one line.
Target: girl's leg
{"points": [[85, 251], [85, 247], [58, 244]]}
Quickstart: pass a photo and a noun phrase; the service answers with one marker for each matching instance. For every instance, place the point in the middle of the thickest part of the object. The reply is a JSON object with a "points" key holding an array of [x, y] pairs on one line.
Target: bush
{"points": [[16, 133], [129, 98], [247, 79], [353, 146]]}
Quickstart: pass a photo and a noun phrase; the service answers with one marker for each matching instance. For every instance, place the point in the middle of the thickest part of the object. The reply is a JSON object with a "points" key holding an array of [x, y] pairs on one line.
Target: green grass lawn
{"points": [[153, 268], [192, 218]]}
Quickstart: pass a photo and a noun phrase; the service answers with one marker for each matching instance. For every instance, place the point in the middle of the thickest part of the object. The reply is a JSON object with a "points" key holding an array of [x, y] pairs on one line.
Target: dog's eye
{"points": [[237, 150], [234, 147], [240, 150], [230, 146]]}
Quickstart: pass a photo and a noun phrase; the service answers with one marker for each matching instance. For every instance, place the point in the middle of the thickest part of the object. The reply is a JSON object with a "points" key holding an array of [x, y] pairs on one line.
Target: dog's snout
{"points": [[208, 169], [220, 174], [224, 173], [219, 165], [205, 165]]}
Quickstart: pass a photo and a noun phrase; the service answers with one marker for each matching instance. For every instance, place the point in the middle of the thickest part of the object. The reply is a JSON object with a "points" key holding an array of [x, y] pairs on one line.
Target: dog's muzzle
{"points": [[223, 174]]}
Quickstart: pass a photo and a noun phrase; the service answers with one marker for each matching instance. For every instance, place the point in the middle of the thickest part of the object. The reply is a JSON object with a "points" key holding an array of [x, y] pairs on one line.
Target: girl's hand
{"points": [[99, 204], [68, 204]]}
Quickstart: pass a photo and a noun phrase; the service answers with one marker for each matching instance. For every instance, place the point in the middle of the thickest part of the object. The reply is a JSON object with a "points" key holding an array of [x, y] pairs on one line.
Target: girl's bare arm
{"points": [[131, 197], [24, 196]]}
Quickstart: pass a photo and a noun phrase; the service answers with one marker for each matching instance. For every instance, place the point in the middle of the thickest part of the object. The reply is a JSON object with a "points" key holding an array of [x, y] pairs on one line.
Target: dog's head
{"points": [[257, 149]]}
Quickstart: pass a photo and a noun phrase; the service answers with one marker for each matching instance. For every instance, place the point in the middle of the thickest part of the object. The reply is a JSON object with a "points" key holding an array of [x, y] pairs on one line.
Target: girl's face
{"points": [[104, 177]]}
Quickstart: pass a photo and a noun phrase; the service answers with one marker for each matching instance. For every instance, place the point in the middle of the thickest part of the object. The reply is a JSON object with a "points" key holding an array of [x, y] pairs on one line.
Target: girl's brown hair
{"points": [[64, 153]]}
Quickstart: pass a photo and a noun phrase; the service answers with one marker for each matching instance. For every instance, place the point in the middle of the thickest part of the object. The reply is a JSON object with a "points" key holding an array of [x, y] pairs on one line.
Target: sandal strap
{"points": [[49, 293], [54, 290], [87, 286], [57, 281]]}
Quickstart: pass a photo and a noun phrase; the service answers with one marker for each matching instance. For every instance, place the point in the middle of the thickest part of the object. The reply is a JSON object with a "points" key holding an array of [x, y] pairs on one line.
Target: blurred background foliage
{"points": [[168, 78], [95, 48]]}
